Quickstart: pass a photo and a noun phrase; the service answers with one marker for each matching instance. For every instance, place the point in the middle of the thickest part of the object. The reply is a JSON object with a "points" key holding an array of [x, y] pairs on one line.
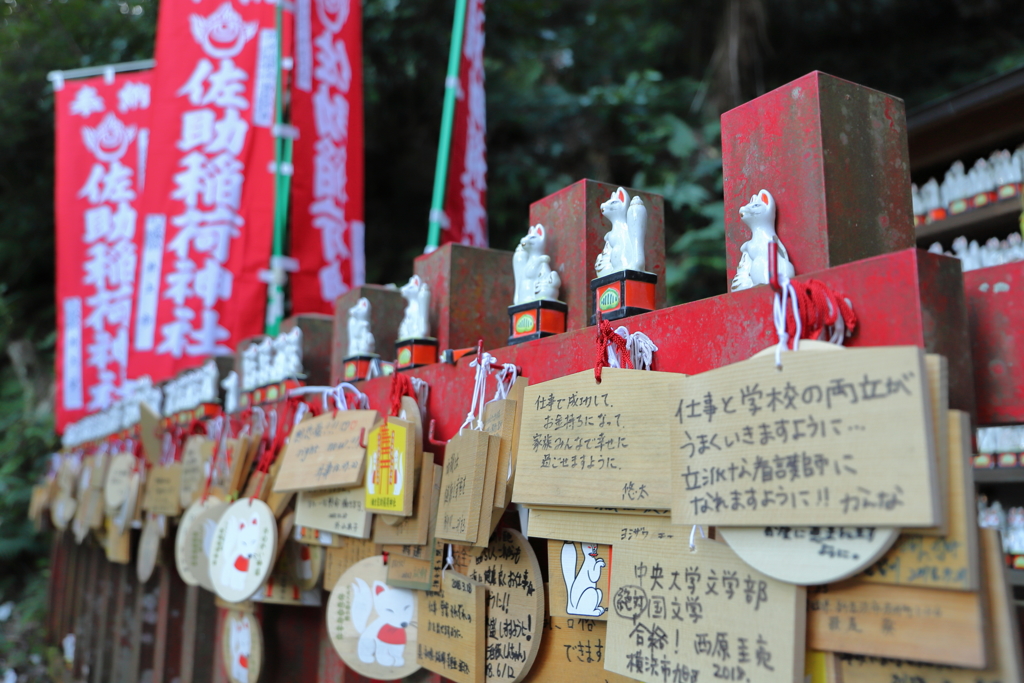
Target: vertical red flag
{"points": [[209, 199], [327, 188], [465, 198], [101, 147]]}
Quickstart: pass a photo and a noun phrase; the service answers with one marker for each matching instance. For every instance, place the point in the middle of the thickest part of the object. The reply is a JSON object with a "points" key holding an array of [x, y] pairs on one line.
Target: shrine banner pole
{"points": [[444, 145], [282, 186]]}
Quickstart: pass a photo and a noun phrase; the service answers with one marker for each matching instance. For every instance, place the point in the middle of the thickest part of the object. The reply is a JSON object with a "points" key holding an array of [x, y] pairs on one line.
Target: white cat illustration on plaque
{"points": [[243, 549], [242, 647]]}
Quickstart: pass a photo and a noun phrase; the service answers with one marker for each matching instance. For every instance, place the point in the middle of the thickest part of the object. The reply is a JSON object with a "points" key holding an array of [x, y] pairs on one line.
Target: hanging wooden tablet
{"points": [[579, 579], [390, 468], [163, 489], [373, 626], [279, 589], [452, 642], [304, 564], [701, 614], [338, 560], [413, 570], [118, 482], [339, 511], [62, 510], [242, 554], [79, 525], [809, 555], [487, 511], [515, 603], [588, 444], [149, 547], [462, 486], [949, 561], [241, 647], [182, 546], [240, 452], [601, 528], [195, 459], [920, 624], [199, 542], [304, 534], [815, 443], [503, 418], [937, 370], [151, 433], [1003, 638], [573, 649], [117, 543], [325, 451], [130, 510], [414, 530]]}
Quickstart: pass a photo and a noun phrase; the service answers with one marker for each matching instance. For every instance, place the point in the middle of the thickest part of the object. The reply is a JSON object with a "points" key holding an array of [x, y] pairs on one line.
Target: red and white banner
{"points": [[207, 211], [101, 148], [465, 198], [327, 189]]}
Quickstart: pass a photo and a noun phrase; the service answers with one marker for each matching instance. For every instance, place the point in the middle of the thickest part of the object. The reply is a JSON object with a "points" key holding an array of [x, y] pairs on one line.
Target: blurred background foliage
{"points": [[622, 91]]}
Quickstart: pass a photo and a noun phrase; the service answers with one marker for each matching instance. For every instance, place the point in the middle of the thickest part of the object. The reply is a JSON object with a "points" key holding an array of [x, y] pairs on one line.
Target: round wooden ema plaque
{"points": [[372, 625], [304, 563], [241, 647], [181, 538], [242, 554], [118, 483], [809, 556], [149, 548], [199, 543], [511, 572]]}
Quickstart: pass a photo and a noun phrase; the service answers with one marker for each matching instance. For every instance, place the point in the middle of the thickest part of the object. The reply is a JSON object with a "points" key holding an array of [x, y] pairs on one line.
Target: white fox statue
{"points": [[624, 243]]}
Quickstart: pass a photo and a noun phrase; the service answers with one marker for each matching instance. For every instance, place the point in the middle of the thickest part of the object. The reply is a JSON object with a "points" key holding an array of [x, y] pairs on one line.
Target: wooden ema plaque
{"points": [[515, 603], [1002, 636], [921, 624], [373, 626], [338, 559], [579, 579], [325, 452], [241, 648], [163, 488], [607, 529], [415, 530], [463, 485], [339, 511], [391, 467], [118, 483], [949, 561], [573, 649], [197, 456], [588, 444], [828, 440], [151, 433], [701, 615], [243, 547], [148, 553], [452, 641], [183, 548], [503, 419]]}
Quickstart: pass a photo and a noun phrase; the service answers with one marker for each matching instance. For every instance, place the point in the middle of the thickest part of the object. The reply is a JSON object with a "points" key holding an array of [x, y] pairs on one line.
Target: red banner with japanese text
{"points": [[102, 138], [207, 210], [327, 226], [465, 198]]}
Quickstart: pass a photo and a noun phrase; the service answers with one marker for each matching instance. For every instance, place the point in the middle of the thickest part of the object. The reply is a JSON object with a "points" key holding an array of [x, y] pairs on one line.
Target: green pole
{"points": [[444, 145], [282, 185]]}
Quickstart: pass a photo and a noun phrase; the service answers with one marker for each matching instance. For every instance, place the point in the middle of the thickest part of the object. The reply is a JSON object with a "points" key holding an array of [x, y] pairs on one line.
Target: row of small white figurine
{"points": [[1010, 524], [994, 252], [1001, 439], [987, 175]]}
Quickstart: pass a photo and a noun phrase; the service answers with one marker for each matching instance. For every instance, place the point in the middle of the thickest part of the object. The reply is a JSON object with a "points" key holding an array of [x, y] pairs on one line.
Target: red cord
{"points": [[285, 417], [401, 386], [606, 338], [819, 307]]}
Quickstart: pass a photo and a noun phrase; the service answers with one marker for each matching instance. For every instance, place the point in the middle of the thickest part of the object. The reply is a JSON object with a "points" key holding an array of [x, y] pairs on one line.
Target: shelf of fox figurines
{"points": [[415, 347], [535, 311], [622, 287]]}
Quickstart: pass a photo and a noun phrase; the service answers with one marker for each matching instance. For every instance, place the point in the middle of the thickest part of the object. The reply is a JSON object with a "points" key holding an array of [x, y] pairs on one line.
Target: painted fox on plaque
{"points": [[361, 344], [373, 625], [415, 346], [759, 215], [242, 647], [623, 287], [242, 555], [535, 311]]}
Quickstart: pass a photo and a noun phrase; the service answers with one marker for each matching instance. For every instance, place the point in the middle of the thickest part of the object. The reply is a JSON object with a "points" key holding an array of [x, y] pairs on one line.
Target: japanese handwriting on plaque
{"points": [[194, 461], [391, 467], [462, 486], [452, 638], [515, 603], [680, 615], [572, 649], [324, 452], [163, 485], [588, 444], [339, 511], [829, 439]]}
